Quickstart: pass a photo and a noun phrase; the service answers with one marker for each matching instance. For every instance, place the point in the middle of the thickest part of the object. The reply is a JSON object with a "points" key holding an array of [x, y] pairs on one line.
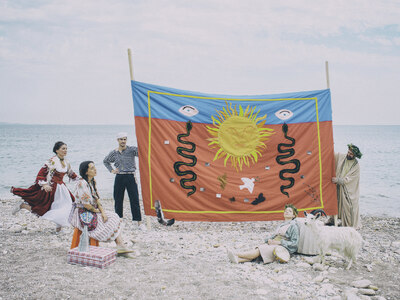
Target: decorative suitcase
{"points": [[96, 257]]}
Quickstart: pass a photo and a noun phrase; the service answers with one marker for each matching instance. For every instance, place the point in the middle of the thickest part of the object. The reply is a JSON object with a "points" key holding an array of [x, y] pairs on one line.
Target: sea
{"points": [[25, 148]]}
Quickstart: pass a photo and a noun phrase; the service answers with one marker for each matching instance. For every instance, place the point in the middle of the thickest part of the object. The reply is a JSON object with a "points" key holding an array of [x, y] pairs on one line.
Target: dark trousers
{"points": [[128, 182]]}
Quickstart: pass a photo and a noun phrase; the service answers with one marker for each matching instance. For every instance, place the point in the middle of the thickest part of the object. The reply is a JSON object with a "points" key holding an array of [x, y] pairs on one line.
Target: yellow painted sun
{"points": [[239, 135]]}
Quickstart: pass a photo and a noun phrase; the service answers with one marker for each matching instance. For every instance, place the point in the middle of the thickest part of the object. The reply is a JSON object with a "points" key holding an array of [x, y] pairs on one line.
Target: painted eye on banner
{"points": [[188, 110], [284, 114]]}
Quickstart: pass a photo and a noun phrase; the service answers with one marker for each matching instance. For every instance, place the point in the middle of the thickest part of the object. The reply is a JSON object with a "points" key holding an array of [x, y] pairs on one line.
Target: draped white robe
{"points": [[348, 191]]}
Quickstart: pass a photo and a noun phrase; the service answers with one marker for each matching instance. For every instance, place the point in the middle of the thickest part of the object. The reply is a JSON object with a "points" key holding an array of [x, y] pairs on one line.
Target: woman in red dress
{"points": [[49, 197]]}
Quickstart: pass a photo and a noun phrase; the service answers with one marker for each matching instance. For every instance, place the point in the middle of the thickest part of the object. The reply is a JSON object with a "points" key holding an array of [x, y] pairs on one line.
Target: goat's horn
{"points": [[318, 211]]}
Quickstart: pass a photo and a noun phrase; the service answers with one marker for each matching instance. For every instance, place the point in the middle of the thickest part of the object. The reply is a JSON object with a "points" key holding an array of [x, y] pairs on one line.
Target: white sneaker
{"points": [[59, 229], [123, 250], [142, 227], [17, 208]]}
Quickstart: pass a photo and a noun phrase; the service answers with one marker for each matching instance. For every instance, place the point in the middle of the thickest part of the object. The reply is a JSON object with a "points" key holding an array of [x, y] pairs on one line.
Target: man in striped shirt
{"points": [[123, 159]]}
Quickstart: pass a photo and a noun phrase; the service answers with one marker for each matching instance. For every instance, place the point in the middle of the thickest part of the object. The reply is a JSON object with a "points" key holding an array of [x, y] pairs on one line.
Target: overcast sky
{"points": [[65, 62]]}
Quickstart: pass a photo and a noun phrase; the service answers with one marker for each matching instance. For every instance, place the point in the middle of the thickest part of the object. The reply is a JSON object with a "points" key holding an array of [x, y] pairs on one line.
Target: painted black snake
{"points": [[193, 158], [289, 153]]}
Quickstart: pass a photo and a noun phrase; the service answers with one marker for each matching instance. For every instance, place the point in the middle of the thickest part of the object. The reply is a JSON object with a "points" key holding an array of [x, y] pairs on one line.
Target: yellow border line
{"points": [[233, 212], [232, 99]]}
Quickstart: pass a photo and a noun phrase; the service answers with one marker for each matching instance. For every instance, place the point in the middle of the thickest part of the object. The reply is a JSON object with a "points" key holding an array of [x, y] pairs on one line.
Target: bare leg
{"points": [[322, 258], [350, 263], [248, 255], [121, 247], [26, 206], [21, 206], [243, 257], [119, 241]]}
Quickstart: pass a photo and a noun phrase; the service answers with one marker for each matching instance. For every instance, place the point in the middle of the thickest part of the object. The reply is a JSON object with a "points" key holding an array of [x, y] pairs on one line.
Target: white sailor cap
{"points": [[122, 135]]}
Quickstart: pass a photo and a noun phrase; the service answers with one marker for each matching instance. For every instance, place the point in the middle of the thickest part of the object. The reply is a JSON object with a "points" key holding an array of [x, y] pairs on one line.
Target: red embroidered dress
{"points": [[56, 204]]}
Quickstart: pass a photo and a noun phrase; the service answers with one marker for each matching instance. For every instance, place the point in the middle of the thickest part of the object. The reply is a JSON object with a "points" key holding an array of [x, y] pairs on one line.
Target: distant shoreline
{"points": [[29, 124]]}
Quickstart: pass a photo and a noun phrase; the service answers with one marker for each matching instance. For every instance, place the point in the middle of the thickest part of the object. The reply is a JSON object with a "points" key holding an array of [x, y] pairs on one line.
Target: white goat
{"points": [[346, 240]]}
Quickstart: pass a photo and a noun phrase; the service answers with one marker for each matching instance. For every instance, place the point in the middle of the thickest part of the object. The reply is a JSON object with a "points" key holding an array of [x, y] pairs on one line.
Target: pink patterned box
{"points": [[96, 257]]}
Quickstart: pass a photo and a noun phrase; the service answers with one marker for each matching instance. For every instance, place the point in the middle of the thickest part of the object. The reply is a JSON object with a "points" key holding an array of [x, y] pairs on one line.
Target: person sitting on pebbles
{"points": [[108, 226], [280, 245]]}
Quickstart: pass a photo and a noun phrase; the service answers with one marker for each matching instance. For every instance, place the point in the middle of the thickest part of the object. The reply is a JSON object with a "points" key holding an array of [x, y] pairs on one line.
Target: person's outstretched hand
{"points": [[47, 188]]}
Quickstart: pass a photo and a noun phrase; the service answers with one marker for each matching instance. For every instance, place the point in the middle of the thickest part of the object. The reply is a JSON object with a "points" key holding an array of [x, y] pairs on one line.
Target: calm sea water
{"points": [[24, 149]]}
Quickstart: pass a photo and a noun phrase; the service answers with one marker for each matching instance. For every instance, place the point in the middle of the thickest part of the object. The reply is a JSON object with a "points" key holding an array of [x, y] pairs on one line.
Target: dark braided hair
{"points": [[83, 168], [57, 146]]}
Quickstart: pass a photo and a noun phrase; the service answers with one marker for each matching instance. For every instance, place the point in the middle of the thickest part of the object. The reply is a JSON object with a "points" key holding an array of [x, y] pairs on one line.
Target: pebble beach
{"points": [[188, 261]]}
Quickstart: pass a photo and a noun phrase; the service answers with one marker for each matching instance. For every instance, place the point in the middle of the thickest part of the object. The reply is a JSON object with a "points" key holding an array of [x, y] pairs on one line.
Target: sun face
{"points": [[239, 135]]}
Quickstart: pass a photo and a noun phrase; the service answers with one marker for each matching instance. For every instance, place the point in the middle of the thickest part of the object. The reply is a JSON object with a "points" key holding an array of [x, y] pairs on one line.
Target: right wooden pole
{"points": [[327, 74], [335, 217]]}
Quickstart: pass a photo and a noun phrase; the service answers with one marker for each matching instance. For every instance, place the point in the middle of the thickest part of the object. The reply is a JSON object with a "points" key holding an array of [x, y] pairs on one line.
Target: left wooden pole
{"points": [[148, 222], [130, 63]]}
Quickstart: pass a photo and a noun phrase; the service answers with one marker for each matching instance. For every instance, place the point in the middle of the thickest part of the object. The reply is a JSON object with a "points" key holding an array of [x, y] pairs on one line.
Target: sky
{"points": [[66, 62]]}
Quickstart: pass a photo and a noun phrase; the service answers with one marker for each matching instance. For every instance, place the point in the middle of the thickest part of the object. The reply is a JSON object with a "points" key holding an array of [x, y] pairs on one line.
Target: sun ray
{"points": [[241, 111], [246, 111]]}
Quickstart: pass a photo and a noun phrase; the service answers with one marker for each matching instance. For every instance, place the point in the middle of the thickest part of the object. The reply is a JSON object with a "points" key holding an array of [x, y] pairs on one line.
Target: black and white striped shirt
{"points": [[124, 161]]}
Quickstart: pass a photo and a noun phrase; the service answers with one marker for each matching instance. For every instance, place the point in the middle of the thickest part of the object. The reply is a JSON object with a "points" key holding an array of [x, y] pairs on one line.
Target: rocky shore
{"points": [[188, 261]]}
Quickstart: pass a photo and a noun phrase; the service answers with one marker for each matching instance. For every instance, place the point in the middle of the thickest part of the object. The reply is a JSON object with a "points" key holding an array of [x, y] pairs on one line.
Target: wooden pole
{"points": [[335, 217], [327, 74], [148, 222], [130, 63]]}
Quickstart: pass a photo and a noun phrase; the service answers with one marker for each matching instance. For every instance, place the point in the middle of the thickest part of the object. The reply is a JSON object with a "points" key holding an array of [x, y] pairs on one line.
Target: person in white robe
{"points": [[348, 186]]}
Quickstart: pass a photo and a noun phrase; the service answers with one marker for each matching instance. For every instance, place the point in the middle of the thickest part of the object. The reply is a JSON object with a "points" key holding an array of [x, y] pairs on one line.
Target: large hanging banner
{"points": [[234, 158]]}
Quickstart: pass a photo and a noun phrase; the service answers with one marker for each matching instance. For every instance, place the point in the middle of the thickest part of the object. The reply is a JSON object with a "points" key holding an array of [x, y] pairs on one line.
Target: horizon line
{"points": [[126, 124]]}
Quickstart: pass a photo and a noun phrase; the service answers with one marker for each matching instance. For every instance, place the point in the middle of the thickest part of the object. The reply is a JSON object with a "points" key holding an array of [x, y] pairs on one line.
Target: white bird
{"points": [[248, 184]]}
